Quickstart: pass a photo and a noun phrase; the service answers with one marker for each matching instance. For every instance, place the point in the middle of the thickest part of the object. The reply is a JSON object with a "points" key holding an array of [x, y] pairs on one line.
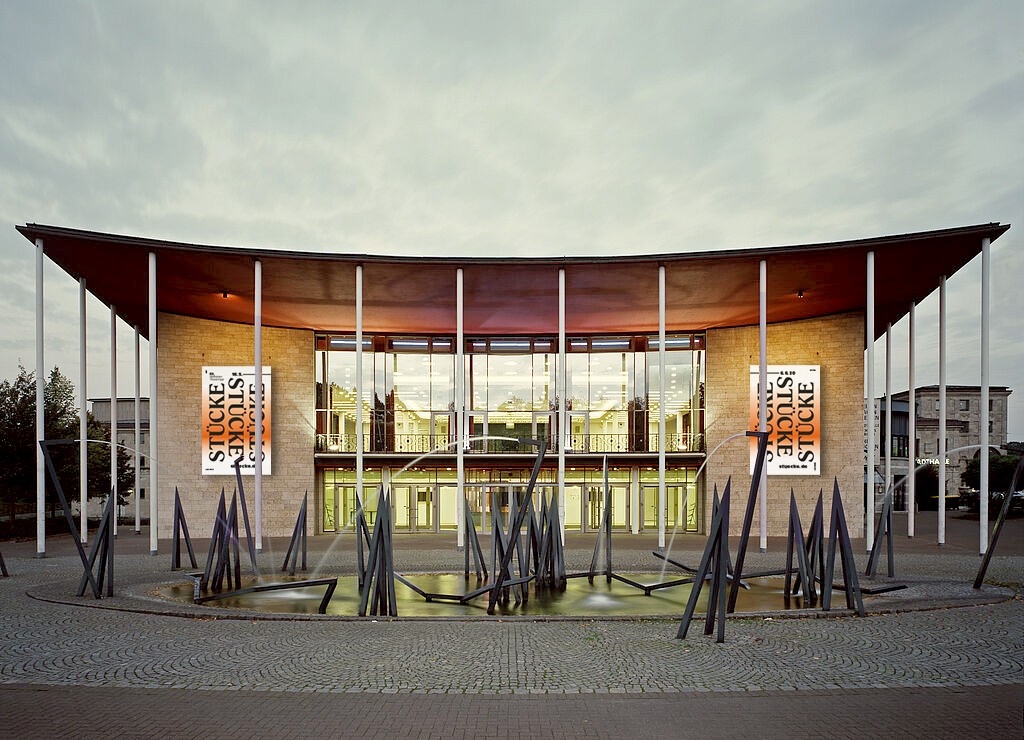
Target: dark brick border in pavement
{"points": [[86, 712]]}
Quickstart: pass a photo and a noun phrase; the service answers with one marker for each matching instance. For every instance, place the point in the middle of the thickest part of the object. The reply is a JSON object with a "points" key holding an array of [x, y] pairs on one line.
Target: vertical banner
{"points": [[229, 419], [794, 419]]}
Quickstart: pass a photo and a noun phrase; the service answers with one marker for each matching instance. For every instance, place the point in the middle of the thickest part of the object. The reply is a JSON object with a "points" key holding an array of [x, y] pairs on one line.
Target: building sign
{"points": [[229, 419], [794, 419]]}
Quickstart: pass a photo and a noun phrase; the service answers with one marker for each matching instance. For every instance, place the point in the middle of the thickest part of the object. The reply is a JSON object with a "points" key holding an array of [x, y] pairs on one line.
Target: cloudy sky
{"points": [[476, 128]]}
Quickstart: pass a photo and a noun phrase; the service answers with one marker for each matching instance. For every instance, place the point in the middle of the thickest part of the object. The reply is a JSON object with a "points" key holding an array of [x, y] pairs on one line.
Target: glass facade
{"points": [[613, 393]]}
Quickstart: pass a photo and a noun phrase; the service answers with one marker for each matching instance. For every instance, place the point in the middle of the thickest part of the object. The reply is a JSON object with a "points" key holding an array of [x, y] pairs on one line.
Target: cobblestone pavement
{"points": [[926, 657]]}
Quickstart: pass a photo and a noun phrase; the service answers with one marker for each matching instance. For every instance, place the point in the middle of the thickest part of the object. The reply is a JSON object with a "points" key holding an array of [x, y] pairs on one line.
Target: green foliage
{"points": [[18, 442], [1000, 472]]}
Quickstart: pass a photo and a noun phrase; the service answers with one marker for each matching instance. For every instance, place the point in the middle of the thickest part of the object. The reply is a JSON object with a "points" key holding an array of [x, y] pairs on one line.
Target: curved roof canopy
{"points": [[416, 295]]}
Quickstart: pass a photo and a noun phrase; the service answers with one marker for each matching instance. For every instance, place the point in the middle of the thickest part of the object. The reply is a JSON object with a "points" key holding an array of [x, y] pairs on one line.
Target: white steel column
{"points": [[359, 385], [257, 359], [154, 417], [983, 488], [662, 498], [138, 437], [113, 413], [460, 408], [40, 407], [941, 506], [83, 417], [911, 433], [561, 387], [869, 468], [888, 409], [762, 400]]}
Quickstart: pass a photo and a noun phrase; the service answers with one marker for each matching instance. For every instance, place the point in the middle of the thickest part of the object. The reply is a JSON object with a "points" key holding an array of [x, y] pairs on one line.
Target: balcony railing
{"points": [[597, 444]]}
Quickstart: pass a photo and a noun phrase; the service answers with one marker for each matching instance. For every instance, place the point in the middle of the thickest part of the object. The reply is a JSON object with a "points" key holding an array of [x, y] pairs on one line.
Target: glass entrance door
{"points": [[413, 507], [681, 516], [620, 506]]}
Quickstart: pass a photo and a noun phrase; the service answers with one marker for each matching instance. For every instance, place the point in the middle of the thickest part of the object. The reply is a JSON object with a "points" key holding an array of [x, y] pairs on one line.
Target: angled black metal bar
{"points": [[997, 528], [721, 569], [180, 530], [3, 567], [882, 531], [711, 550], [670, 561], [75, 534], [748, 516], [716, 572], [219, 523], [233, 530], [331, 583], [98, 553], [839, 536], [297, 541], [371, 561], [796, 543], [250, 542], [519, 518]]}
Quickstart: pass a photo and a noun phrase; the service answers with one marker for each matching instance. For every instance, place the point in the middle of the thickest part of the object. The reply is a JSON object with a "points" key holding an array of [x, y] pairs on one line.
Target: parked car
{"points": [[969, 499], [1016, 501]]}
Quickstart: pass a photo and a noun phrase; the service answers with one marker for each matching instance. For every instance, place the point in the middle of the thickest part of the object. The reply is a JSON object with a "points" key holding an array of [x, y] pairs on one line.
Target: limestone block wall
{"points": [[185, 345], [835, 343]]}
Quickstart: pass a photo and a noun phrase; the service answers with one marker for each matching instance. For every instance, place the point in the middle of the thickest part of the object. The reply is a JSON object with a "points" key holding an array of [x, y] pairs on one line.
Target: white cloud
{"points": [[469, 128]]}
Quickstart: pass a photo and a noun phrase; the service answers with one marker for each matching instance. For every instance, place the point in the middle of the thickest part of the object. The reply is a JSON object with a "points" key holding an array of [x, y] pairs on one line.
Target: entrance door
{"points": [[573, 507], [413, 505], [448, 507], [620, 506]]}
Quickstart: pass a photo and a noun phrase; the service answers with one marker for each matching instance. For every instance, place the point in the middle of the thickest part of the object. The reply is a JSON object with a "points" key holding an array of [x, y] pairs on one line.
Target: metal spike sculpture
{"points": [[223, 565], [473, 546], [87, 560], [245, 516], [795, 543], [180, 528], [839, 536], [998, 527], [378, 592], [298, 541], [3, 566], [713, 563], [748, 516], [884, 529]]}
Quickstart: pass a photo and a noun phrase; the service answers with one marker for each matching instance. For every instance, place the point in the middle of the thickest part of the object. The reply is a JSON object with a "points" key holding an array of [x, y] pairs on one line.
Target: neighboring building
{"points": [[963, 433], [467, 357], [100, 409]]}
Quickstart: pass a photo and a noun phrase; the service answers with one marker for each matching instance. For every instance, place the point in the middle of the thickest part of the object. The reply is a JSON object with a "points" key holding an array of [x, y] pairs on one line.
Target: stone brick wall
{"points": [[185, 345], [835, 343]]}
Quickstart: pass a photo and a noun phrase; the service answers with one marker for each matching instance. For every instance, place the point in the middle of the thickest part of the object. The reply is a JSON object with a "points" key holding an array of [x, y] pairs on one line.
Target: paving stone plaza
{"points": [[937, 658]]}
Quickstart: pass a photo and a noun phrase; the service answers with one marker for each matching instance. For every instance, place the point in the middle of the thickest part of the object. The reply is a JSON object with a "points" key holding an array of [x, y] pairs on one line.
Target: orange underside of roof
{"points": [[512, 296]]}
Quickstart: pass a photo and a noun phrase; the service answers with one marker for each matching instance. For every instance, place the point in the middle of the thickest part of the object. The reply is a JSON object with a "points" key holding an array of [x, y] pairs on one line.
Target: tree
{"points": [[18, 441], [1000, 472]]}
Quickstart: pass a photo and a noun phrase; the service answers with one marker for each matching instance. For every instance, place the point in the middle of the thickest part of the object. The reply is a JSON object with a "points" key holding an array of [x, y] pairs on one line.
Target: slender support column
{"points": [[83, 417], [40, 407], [986, 281], [359, 384], [869, 377], [888, 408], [762, 400], [941, 507], [460, 407], [138, 437], [154, 413], [911, 433], [662, 498], [257, 358], [113, 414], [561, 384]]}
